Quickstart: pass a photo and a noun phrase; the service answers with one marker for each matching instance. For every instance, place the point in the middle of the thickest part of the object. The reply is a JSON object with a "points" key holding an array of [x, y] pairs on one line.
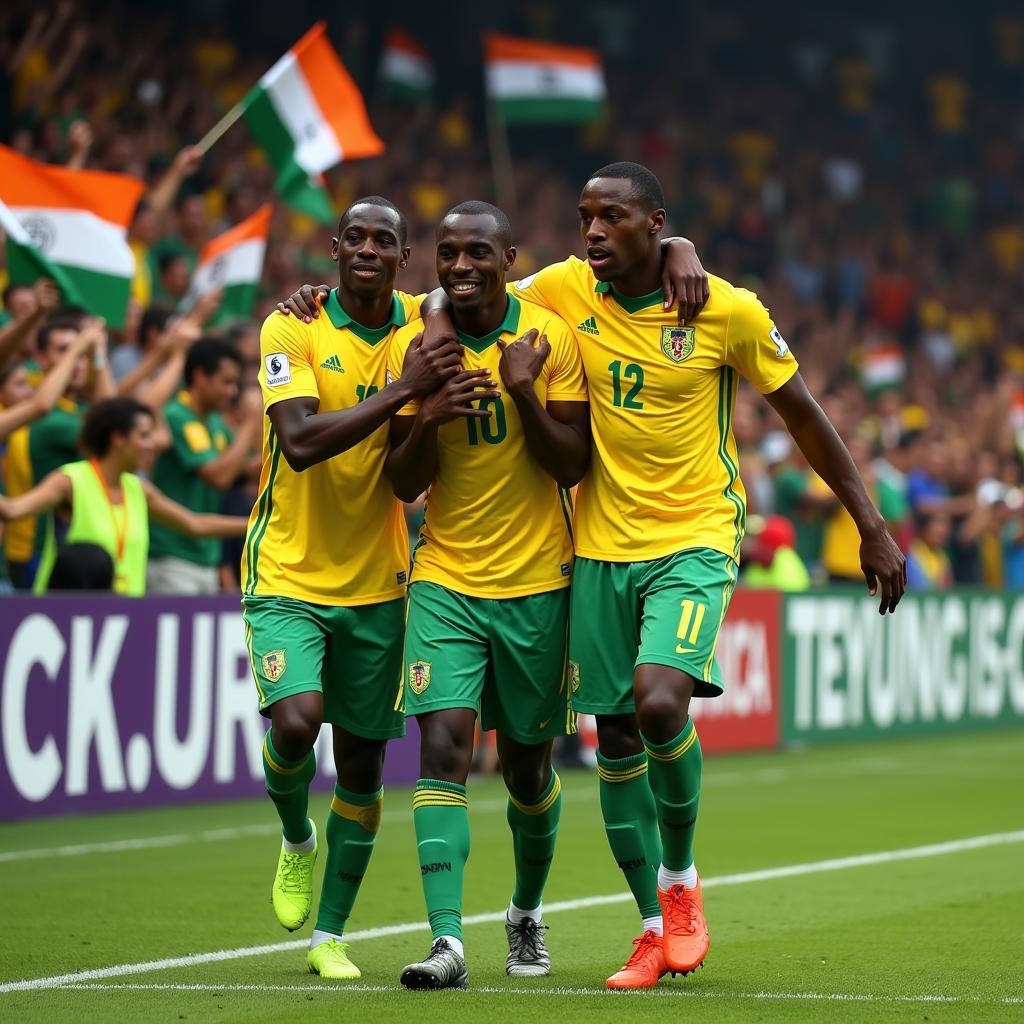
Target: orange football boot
{"points": [[645, 968], [686, 930]]}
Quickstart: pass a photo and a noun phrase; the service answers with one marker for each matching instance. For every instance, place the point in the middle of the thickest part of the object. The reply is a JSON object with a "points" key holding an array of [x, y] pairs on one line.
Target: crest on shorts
{"points": [[574, 676], [419, 676], [678, 342], [274, 665]]}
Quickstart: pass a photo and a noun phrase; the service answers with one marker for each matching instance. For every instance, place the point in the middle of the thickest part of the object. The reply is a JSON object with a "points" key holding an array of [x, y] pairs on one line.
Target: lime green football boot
{"points": [[330, 960], [293, 886]]}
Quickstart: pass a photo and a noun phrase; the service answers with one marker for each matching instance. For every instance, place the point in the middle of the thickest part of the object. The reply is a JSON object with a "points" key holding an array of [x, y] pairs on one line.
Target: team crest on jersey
{"points": [[678, 342], [274, 665], [574, 676], [419, 676]]}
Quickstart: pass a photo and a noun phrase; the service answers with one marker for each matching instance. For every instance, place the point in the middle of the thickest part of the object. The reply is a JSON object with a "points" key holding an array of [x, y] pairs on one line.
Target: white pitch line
{"points": [[741, 878], [767, 776], [663, 993]]}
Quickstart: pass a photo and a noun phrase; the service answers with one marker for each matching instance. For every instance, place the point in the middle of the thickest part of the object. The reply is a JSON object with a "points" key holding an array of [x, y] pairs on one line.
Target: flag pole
{"points": [[222, 126], [501, 159]]}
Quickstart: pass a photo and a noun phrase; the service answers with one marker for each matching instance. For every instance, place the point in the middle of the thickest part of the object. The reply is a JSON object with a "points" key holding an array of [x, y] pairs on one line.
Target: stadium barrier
{"points": [[110, 703]]}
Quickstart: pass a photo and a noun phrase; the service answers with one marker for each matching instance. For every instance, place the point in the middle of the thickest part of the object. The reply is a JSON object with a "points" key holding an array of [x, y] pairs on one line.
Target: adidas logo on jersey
{"points": [[333, 363], [589, 326]]}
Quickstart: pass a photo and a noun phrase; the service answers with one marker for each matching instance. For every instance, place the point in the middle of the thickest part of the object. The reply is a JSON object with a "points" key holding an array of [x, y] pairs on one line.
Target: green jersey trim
{"points": [[510, 325], [631, 303], [266, 509], [726, 397], [371, 335]]}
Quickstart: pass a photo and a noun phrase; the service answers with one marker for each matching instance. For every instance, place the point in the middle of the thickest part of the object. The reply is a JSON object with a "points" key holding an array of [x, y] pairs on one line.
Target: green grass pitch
{"points": [[924, 932]]}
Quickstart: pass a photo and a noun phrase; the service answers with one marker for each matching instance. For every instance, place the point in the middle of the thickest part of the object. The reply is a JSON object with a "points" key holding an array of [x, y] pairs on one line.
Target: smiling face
{"points": [[616, 228], [471, 260], [369, 250], [137, 449]]}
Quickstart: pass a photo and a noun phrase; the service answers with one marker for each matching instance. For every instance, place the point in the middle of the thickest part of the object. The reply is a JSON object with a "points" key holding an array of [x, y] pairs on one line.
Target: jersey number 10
{"points": [[494, 429]]}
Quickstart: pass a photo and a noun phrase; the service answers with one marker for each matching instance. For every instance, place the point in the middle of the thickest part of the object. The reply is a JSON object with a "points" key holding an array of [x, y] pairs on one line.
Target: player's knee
{"points": [[662, 713], [361, 768], [617, 736], [526, 782], [445, 753], [295, 731]]}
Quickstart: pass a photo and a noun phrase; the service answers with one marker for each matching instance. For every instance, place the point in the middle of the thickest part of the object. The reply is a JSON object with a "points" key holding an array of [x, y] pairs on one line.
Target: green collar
{"points": [[509, 325], [371, 335], [631, 303]]}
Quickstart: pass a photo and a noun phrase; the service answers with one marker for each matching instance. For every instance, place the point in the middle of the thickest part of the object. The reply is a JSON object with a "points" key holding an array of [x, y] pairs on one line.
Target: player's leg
{"points": [[685, 597], [526, 699], [604, 635], [446, 656], [286, 643], [534, 812], [362, 662]]}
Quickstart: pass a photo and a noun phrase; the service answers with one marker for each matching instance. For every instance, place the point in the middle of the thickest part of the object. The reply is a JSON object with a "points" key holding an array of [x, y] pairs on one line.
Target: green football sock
{"points": [[440, 813], [288, 786], [534, 829], [675, 771], [352, 825], [631, 822]]}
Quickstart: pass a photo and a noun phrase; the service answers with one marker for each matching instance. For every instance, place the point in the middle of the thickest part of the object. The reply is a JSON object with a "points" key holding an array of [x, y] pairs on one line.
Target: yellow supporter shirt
{"points": [[496, 524], [664, 473], [334, 534]]}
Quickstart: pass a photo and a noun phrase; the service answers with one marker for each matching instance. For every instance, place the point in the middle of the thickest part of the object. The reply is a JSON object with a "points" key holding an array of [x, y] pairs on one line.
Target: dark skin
{"points": [[472, 262], [369, 252], [621, 237]]}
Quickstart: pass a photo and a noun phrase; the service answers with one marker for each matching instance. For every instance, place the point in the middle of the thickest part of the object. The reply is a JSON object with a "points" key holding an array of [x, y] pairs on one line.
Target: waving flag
{"points": [[308, 115], [543, 82], [234, 261], [71, 226], [406, 68]]}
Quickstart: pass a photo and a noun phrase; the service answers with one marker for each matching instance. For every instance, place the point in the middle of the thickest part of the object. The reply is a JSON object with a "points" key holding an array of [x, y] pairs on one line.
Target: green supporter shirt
{"points": [[52, 443], [790, 488], [195, 441]]}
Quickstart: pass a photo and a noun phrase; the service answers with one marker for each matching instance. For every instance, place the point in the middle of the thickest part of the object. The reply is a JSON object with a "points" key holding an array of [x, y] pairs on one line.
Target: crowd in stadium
{"points": [[900, 303]]}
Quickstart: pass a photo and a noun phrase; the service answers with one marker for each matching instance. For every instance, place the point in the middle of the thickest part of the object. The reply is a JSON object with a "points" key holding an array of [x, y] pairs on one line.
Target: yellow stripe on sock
{"points": [[674, 755], [438, 798], [274, 765], [367, 815], [621, 775], [544, 805], [419, 804]]}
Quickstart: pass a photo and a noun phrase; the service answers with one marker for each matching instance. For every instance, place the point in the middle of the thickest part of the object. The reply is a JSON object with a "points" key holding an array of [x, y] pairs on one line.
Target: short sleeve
{"points": [[411, 305], [544, 287], [190, 439], [396, 358], [755, 347], [566, 381], [286, 354]]}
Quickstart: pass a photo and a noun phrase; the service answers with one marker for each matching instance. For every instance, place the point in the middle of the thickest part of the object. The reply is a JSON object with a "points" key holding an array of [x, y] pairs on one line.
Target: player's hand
{"points": [[683, 279], [884, 568], [439, 332], [47, 295], [456, 397], [522, 360], [426, 369], [305, 303]]}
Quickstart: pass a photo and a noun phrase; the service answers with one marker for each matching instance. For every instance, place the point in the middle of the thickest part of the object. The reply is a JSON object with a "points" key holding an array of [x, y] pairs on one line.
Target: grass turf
{"points": [[882, 937]]}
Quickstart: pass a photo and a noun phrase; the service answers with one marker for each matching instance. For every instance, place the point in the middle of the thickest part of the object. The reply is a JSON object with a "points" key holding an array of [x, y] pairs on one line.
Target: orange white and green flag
{"points": [[72, 226], [538, 82], [233, 262], [308, 115], [406, 68]]}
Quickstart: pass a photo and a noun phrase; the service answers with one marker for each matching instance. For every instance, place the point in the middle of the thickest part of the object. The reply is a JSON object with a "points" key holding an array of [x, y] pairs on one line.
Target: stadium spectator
{"points": [[774, 563], [204, 460], [82, 566], [928, 566], [101, 500]]}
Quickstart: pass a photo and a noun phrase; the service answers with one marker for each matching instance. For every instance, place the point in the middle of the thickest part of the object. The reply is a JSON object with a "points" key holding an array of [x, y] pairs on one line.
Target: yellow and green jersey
{"points": [[664, 473], [496, 524], [334, 534]]}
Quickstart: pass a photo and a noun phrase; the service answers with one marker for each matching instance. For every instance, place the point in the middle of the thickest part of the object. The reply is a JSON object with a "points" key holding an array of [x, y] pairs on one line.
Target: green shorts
{"points": [[505, 658], [353, 656], [667, 611]]}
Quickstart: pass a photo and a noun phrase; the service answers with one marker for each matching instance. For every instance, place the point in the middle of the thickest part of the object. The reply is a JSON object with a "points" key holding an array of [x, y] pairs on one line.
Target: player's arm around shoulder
{"points": [[544, 288]]}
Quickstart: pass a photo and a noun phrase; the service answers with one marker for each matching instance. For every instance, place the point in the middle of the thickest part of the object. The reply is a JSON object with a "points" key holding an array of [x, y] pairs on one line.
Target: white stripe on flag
{"points": [[12, 226], [316, 145], [77, 238], [529, 80], [242, 264], [399, 66]]}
